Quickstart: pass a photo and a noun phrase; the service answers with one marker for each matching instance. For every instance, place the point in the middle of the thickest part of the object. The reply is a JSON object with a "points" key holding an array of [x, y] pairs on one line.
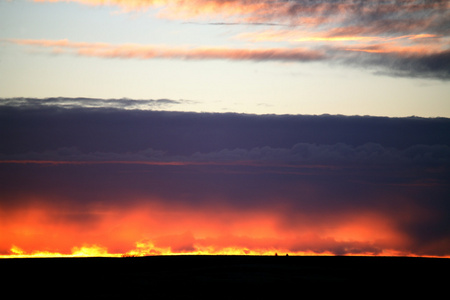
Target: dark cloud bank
{"points": [[320, 167], [432, 66], [34, 127]]}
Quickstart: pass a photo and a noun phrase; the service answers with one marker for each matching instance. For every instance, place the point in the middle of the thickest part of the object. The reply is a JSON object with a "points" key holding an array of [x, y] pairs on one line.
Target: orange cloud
{"points": [[347, 22], [152, 228], [420, 45], [398, 49], [180, 9], [153, 52], [292, 12], [402, 44], [296, 36]]}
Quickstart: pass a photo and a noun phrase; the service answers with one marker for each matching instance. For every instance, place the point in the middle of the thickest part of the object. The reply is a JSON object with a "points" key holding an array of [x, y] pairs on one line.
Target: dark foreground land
{"points": [[223, 276]]}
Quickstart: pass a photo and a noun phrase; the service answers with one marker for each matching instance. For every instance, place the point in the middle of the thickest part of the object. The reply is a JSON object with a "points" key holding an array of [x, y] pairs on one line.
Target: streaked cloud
{"points": [[64, 102], [374, 16], [127, 51], [297, 11], [386, 58], [398, 38]]}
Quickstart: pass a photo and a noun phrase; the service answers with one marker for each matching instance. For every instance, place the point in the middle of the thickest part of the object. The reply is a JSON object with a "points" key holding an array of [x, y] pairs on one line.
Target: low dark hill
{"points": [[216, 277]]}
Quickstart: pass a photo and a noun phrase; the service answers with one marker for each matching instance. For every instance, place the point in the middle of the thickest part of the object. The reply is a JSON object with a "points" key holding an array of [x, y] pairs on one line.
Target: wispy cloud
{"points": [[164, 52], [375, 16], [410, 38], [294, 12], [388, 58]]}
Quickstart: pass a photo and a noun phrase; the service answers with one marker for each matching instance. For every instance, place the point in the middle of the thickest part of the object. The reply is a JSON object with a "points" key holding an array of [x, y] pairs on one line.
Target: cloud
{"points": [[300, 154], [64, 102], [407, 61], [403, 64], [397, 38], [376, 16], [134, 51], [39, 128], [342, 211], [289, 11], [192, 182], [413, 55]]}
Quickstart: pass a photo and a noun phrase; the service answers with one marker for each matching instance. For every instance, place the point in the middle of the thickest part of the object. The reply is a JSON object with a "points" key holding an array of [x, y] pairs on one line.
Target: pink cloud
{"points": [[153, 51]]}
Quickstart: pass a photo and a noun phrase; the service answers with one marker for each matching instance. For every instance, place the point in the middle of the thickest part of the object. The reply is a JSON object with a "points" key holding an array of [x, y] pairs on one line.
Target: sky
{"points": [[246, 127], [100, 180], [351, 57]]}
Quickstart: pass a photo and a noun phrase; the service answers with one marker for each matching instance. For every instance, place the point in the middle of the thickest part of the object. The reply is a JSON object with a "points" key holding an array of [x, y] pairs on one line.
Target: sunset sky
{"points": [[351, 57], [150, 127]]}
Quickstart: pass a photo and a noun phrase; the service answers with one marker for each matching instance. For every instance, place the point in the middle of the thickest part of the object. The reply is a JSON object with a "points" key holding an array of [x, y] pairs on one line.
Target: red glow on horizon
{"points": [[157, 230]]}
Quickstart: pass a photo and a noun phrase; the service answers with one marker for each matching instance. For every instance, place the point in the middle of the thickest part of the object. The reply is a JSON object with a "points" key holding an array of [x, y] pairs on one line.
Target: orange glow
{"points": [[295, 36], [153, 229], [84, 251], [351, 40], [365, 227]]}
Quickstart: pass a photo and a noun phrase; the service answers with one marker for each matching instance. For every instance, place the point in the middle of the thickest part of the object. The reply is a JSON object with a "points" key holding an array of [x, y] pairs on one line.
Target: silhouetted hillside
{"points": [[190, 276]]}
